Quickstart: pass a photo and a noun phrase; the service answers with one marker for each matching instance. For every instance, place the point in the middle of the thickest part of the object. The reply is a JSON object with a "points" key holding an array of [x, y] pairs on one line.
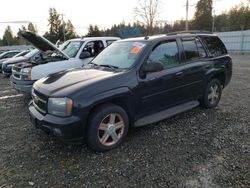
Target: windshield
{"points": [[71, 48], [31, 53], [21, 54], [120, 54]]}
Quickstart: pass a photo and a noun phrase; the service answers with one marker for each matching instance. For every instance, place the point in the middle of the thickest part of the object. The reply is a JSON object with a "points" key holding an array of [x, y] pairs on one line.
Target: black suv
{"points": [[133, 82]]}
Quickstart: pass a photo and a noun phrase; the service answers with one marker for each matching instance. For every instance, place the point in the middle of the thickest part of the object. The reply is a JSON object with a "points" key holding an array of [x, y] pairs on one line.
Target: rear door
{"points": [[196, 63]]}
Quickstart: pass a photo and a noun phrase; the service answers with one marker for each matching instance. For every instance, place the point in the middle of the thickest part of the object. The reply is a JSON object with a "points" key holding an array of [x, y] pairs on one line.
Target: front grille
{"points": [[16, 68], [40, 101], [16, 72]]}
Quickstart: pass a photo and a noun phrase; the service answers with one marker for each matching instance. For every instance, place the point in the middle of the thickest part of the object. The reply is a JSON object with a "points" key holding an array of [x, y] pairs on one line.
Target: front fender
{"points": [[121, 92]]}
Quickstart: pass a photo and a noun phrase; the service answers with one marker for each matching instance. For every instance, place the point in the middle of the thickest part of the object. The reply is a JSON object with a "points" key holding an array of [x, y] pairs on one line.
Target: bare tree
{"points": [[146, 12]]}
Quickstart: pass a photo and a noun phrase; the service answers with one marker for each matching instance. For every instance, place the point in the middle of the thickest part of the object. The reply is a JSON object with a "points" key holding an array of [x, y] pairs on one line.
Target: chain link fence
{"points": [[236, 41]]}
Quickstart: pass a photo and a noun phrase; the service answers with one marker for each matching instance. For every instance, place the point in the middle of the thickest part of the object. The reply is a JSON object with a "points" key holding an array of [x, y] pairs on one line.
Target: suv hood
{"points": [[70, 80], [40, 42]]}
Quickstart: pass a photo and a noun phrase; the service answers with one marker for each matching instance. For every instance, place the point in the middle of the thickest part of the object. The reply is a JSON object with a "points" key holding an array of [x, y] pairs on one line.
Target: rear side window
{"points": [[193, 49], [215, 46], [166, 53]]}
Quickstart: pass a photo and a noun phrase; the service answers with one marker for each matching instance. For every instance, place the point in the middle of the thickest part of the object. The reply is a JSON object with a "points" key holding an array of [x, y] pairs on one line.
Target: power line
{"points": [[17, 22]]}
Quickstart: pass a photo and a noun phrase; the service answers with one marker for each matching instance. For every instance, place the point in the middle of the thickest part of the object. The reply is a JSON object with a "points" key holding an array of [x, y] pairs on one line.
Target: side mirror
{"points": [[152, 67], [84, 55]]}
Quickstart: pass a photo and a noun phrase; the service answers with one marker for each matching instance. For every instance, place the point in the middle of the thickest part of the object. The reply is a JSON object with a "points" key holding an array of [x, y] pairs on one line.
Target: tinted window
{"points": [[193, 49], [166, 53], [215, 46], [202, 52]]}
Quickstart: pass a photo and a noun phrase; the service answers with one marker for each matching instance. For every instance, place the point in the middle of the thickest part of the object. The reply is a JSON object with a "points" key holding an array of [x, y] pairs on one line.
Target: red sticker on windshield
{"points": [[135, 50]]}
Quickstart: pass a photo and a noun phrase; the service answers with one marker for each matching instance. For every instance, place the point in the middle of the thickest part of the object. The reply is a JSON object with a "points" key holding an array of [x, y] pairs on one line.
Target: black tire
{"points": [[206, 101], [94, 133]]}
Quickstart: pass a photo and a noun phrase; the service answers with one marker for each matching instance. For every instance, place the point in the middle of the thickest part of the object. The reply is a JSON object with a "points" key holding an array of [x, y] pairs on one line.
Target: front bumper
{"points": [[68, 129], [23, 86]]}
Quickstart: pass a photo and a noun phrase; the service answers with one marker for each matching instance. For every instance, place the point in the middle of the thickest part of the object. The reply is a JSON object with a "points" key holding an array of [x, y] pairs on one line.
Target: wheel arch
{"points": [[122, 97], [220, 75]]}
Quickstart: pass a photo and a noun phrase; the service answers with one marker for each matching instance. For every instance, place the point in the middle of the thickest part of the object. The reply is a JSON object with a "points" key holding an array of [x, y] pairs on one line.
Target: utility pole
{"points": [[186, 16], [63, 27], [213, 20]]}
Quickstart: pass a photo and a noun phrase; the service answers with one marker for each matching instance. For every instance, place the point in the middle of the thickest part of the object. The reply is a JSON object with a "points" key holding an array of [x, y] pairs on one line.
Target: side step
{"points": [[165, 113]]}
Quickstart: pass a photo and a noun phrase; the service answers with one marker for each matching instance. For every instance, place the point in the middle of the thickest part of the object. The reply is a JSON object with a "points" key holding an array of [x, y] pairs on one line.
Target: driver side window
{"points": [[94, 48], [166, 53]]}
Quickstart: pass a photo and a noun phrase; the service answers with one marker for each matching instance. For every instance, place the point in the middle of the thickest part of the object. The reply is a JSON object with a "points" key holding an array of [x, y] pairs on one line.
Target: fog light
{"points": [[57, 132]]}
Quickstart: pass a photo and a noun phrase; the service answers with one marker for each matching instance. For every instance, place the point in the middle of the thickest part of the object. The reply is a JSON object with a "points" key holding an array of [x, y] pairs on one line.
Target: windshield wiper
{"points": [[109, 66], [93, 64], [104, 65]]}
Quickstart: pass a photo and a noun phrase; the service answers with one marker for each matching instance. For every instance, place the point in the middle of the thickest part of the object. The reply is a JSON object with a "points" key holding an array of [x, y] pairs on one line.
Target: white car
{"points": [[71, 54]]}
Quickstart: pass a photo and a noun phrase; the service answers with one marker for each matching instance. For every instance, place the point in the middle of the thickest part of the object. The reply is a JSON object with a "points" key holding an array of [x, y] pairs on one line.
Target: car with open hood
{"points": [[7, 63], [73, 53], [133, 82]]}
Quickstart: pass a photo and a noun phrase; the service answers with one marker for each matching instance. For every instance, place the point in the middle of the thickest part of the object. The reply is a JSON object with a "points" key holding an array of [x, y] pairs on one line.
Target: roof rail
{"points": [[190, 32]]}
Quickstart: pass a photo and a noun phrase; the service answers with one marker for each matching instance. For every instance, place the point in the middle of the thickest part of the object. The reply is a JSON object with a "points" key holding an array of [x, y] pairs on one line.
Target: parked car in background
{"points": [[22, 53], [7, 65], [133, 82], [8, 54], [72, 54]]}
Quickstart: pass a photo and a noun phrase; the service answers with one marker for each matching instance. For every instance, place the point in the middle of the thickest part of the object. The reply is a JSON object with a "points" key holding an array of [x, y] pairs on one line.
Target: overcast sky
{"points": [[104, 13]]}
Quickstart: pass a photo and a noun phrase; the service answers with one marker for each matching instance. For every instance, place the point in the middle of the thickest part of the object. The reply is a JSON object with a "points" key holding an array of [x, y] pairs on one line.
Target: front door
{"points": [[159, 90]]}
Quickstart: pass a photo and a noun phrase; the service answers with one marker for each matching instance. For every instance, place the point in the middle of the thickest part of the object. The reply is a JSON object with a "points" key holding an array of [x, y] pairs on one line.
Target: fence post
{"points": [[242, 42]]}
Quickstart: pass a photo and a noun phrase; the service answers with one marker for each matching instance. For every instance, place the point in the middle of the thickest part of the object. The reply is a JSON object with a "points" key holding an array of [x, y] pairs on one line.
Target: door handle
{"points": [[179, 73]]}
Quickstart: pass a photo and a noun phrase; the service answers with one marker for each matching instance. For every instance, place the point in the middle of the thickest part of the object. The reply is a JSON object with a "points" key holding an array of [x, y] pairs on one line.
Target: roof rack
{"points": [[190, 32]]}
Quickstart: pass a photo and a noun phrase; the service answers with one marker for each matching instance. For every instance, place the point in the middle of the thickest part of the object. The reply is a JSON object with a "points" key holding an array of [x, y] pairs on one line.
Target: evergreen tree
{"points": [[94, 31], [203, 15], [20, 40], [32, 28], [55, 26], [70, 31], [8, 38]]}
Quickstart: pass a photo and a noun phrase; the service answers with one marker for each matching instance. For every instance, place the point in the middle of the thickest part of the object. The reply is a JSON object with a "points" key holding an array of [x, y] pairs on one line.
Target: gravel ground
{"points": [[199, 148]]}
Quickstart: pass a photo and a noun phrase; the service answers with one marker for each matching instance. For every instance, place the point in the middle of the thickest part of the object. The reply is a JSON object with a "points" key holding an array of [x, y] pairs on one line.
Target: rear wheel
{"points": [[107, 128], [212, 94]]}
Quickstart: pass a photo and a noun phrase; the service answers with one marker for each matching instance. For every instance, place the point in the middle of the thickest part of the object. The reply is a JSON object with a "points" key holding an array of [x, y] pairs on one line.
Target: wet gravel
{"points": [[199, 148]]}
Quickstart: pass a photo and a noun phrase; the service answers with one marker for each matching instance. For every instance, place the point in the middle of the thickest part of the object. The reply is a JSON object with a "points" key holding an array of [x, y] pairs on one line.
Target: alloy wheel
{"points": [[214, 94], [111, 129]]}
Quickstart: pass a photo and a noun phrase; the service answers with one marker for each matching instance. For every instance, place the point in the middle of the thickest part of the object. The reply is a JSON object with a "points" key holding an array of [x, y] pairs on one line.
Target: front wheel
{"points": [[212, 94], [108, 127]]}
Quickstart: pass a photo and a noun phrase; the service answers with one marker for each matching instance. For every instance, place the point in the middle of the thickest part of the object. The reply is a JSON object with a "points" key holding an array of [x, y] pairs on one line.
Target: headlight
{"points": [[27, 72], [60, 106]]}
